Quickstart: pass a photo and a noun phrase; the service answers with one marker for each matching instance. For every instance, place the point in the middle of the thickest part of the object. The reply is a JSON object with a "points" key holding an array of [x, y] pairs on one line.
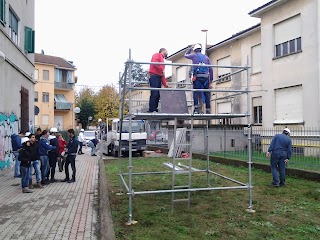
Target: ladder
{"points": [[181, 144]]}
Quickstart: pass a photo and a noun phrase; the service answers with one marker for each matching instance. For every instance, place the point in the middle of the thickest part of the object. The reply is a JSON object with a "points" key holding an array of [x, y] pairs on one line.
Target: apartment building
{"points": [[16, 64], [283, 52], [54, 92]]}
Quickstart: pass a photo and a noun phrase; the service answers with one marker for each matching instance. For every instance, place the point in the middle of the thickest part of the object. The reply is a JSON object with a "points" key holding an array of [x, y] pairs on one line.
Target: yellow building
{"points": [[54, 92]]}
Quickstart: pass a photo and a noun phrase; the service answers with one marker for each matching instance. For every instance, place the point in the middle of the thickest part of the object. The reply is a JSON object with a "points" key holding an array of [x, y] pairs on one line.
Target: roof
{"points": [[266, 7], [236, 35], [52, 60]]}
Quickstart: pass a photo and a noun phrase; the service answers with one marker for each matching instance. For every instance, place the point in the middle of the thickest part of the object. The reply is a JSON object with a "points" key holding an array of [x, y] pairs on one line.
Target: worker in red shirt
{"points": [[156, 78]]}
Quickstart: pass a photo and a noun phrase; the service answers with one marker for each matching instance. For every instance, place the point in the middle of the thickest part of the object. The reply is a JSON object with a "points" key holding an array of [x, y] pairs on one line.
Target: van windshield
{"points": [[137, 126]]}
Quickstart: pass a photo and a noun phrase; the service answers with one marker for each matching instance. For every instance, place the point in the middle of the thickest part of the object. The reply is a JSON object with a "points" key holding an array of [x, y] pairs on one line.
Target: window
{"points": [[181, 76], [28, 40], [287, 36], [257, 110], [36, 74], [224, 107], [36, 96], [256, 59], [45, 97], [45, 120], [61, 75], [224, 72], [3, 11], [45, 75], [289, 105], [13, 27]]}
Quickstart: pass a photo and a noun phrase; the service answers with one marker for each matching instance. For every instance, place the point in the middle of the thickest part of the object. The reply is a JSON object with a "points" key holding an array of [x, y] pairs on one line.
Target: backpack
{"points": [[200, 69]]}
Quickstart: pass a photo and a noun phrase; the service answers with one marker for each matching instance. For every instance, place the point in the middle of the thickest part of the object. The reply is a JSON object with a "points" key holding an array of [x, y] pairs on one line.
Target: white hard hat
{"points": [[27, 134], [197, 46], [53, 130], [286, 130], [24, 139], [82, 130], [99, 120]]}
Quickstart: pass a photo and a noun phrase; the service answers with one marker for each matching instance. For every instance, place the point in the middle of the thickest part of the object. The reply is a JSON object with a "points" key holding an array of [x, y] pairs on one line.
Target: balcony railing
{"points": [[63, 85], [62, 106]]}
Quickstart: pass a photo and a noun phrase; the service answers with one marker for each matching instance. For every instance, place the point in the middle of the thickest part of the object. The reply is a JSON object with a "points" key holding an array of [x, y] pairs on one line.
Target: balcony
{"points": [[63, 85], [60, 103]]}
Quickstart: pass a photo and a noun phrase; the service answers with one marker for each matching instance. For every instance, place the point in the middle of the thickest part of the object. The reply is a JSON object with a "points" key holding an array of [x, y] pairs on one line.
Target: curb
{"points": [[106, 223]]}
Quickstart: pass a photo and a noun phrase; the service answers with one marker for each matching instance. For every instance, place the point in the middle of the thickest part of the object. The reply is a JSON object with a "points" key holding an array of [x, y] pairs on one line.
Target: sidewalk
{"points": [[58, 211]]}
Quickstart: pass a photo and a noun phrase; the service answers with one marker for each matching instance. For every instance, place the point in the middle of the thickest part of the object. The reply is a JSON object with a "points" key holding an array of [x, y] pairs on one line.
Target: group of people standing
{"points": [[42, 152]]}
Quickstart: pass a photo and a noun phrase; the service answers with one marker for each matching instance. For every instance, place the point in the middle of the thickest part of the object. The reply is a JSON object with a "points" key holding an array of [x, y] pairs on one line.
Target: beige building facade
{"points": [[54, 92], [283, 52]]}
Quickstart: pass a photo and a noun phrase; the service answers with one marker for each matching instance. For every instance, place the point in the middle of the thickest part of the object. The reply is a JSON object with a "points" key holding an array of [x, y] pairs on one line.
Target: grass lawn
{"points": [[292, 212]]}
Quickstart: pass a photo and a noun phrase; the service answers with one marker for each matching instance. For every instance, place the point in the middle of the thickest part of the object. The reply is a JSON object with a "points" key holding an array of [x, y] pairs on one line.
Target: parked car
{"points": [[89, 134]]}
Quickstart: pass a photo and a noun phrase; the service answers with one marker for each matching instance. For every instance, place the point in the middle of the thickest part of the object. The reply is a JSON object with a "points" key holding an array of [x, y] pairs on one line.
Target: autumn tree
{"points": [[107, 103]]}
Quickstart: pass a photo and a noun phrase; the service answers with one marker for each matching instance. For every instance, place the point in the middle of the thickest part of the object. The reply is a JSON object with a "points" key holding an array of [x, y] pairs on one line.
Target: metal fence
{"points": [[232, 142]]}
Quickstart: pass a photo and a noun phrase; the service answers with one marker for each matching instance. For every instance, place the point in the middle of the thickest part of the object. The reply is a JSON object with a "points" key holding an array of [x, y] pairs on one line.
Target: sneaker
{"points": [[65, 180], [208, 111], [26, 190], [37, 185], [93, 155], [30, 186], [71, 181], [19, 176], [53, 180]]}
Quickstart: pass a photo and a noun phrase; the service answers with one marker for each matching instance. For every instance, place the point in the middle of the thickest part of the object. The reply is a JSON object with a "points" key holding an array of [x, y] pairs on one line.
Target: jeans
{"points": [[80, 147], [36, 165], [154, 82], [16, 164], [277, 163], [201, 83], [25, 174], [44, 167], [71, 159], [93, 148]]}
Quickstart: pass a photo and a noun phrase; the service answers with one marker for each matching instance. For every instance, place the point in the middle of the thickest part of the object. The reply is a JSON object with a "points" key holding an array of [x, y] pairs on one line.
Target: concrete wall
{"points": [[17, 70]]}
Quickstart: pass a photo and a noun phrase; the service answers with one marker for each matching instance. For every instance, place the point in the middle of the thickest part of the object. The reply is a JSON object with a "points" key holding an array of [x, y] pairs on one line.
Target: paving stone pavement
{"points": [[58, 211]]}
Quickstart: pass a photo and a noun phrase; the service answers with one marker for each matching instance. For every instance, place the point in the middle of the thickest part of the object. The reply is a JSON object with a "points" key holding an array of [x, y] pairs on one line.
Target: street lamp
{"points": [[205, 47]]}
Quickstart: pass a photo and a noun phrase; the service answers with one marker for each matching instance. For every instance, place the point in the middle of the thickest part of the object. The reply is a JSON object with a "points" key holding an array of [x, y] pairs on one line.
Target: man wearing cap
{"points": [[53, 155], [280, 150]]}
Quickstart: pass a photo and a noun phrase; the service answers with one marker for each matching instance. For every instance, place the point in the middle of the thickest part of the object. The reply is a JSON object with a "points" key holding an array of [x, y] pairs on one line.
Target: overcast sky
{"points": [[97, 35]]}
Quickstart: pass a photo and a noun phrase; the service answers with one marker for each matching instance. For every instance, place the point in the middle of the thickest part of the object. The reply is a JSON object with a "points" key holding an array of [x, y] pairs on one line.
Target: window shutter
{"points": [[28, 39], [287, 30], [224, 62]]}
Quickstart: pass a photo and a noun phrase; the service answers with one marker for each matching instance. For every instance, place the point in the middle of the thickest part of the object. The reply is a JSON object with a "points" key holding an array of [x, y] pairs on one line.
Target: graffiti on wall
{"points": [[9, 124]]}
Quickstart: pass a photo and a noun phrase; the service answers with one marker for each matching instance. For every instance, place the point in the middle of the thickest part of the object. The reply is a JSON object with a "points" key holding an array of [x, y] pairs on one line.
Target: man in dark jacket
{"points": [[53, 154], [71, 150], [35, 161], [281, 150], [16, 146], [93, 144], [44, 147], [25, 164]]}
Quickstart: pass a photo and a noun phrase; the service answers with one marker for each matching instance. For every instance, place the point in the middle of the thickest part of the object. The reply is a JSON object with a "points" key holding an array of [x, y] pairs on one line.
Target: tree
{"points": [[138, 73], [107, 103], [85, 101]]}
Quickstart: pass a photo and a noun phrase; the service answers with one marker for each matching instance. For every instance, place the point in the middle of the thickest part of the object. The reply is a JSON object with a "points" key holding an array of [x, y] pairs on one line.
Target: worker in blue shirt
{"points": [[280, 150]]}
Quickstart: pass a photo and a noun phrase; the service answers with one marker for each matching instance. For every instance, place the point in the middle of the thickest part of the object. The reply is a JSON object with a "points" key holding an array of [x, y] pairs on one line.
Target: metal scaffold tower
{"points": [[181, 142]]}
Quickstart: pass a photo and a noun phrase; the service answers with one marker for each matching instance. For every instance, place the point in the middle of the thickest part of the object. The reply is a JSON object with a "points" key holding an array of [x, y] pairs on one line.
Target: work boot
{"points": [[26, 190], [38, 185], [196, 110], [30, 186]]}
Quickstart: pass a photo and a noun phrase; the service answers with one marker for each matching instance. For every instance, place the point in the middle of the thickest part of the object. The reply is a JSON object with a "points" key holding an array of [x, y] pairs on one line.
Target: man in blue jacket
{"points": [[71, 150], [16, 146], [53, 154], [202, 76], [44, 147], [281, 150]]}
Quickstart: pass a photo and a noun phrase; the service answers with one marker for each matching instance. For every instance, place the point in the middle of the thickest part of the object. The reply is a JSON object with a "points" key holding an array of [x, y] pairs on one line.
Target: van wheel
{"points": [[140, 152]]}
